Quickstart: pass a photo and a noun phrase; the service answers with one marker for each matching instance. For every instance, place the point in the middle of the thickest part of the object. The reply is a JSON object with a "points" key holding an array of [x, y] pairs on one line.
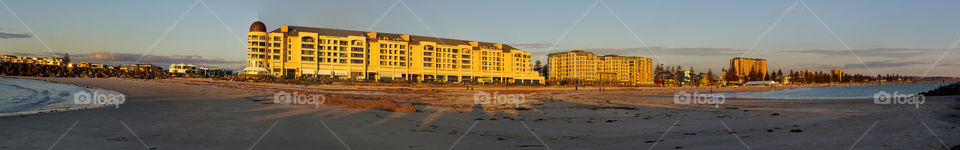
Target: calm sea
{"points": [[840, 92]]}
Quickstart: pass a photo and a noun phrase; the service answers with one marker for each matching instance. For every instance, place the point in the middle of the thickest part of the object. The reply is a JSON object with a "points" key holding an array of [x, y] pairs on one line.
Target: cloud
{"points": [[528, 45], [663, 50], [13, 35], [873, 52], [38, 54], [131, 57], [819, 66], [110, 56], [883, 64]]}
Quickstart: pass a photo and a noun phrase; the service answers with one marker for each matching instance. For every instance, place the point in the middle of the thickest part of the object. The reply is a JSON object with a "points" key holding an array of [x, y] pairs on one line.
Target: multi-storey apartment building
{"points": [[586, 66], [294, 51], [743, 67]]}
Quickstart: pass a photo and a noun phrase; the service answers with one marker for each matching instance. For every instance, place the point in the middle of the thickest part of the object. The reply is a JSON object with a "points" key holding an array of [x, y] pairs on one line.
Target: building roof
{"points": [[573, 51], [293, 30], [258, 27], [748, 58], [591, 53]]}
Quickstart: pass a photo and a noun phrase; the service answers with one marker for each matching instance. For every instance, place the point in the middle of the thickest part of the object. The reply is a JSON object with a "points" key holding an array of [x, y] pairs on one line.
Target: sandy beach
{"points": [[212, 114]]}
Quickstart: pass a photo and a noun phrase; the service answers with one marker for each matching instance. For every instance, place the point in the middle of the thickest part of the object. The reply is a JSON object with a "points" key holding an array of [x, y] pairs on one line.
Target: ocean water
{"points": [[23, 96], [840, 92]]}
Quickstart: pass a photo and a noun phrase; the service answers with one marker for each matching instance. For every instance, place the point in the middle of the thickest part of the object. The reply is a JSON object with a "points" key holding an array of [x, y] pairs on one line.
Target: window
{"points": [[306, 39], [306, 52], [355, 55], [309, 46], [356, 61], [356, 49], [306, 58]]}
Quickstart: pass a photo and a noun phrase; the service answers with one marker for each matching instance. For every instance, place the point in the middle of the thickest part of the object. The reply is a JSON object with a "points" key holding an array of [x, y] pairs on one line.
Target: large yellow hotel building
{"points": [[742, 67], [294, 51], [586, 66]]}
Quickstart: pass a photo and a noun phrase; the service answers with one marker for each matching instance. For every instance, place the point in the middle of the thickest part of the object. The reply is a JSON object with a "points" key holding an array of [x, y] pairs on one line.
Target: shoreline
{"points": [[210, 114], [62, 106]]}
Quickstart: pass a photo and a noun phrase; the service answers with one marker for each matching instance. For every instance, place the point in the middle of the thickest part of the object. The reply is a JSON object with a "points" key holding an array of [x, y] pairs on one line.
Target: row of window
{"points": [[327, 41]]}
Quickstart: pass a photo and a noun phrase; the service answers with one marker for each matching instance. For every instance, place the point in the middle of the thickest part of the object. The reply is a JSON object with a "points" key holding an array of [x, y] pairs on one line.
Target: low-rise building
{"points": [[141, 67]]}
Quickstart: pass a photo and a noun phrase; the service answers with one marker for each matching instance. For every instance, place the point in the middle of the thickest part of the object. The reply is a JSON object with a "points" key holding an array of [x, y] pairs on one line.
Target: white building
{"points": [[183, 68]]}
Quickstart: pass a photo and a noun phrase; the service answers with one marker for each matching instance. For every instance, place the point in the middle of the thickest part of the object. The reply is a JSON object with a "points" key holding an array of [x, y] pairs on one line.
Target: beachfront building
{"points": [[748, 69], [295, 51], [36, 60], [837, 74], [183, 69], [141, 67], [587, 67]]}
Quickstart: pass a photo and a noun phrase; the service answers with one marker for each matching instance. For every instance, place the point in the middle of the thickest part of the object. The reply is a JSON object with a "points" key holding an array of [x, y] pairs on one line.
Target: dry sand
{"points": [[208, 114]]}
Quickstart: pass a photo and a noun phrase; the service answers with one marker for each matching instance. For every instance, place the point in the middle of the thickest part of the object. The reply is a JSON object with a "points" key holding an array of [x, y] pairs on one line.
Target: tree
{"points": [[658, 73], [537, 65], [731, 76], [710, 75]]}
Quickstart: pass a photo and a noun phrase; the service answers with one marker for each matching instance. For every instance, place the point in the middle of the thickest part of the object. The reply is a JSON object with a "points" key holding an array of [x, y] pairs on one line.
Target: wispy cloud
{"points": [[819, 66], [13, 35], [873, 52], [130, 57], [884, 64], [531, 45], [38, 54], [110, 56], [663, 50]]}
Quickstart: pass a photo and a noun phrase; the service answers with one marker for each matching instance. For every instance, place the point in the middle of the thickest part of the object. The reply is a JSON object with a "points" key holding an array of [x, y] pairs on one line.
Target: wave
{"points": [[25, 97]]}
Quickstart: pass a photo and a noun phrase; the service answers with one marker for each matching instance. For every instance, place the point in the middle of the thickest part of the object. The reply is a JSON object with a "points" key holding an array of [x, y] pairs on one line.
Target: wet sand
{"points": [[209, 114]]}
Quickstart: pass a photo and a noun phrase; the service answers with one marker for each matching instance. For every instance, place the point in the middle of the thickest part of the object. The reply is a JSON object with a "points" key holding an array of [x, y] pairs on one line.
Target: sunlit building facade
{"points": [[743, 67], [837, 74], [294, 51], [586, 66]]}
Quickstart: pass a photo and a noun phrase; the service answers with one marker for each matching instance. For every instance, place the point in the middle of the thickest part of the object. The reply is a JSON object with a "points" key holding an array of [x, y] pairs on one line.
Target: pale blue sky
{"points": [[891, 36]]}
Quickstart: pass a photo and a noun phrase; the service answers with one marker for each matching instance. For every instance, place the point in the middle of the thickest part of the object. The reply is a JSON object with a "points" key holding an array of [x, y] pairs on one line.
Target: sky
{"points": [[858, 36]]}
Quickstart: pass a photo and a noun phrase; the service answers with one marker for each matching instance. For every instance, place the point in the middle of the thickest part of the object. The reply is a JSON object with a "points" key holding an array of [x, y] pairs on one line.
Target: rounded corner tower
{"points": [[258, 27], [257, 54]]}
